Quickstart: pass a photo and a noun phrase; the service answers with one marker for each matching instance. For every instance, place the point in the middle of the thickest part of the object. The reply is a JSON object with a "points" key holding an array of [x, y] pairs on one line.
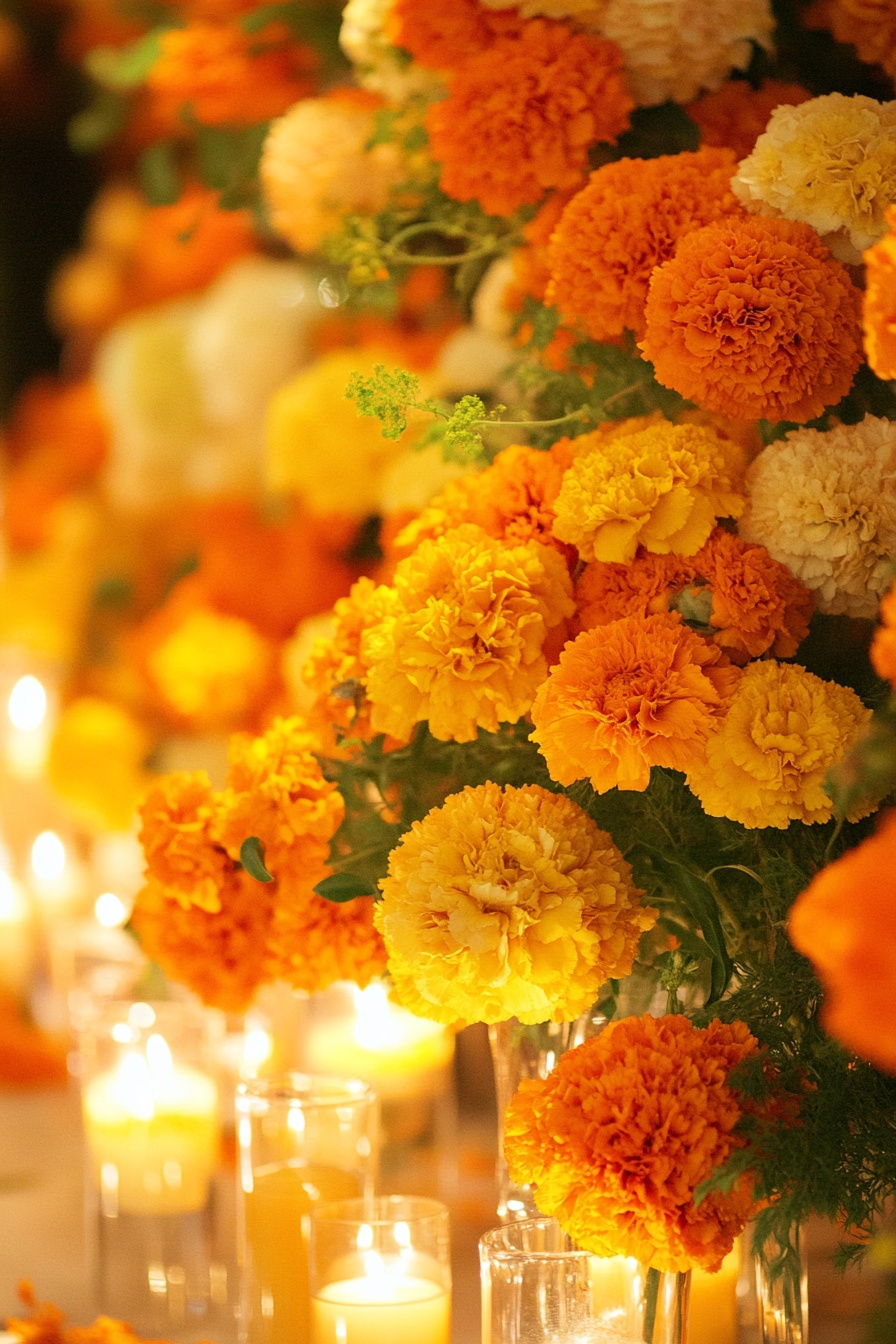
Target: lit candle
{"points": [[29, 723], [57, 878], [712, 1318], [152, 1133], [383, 1306], [612, 1286], [16, 938]]}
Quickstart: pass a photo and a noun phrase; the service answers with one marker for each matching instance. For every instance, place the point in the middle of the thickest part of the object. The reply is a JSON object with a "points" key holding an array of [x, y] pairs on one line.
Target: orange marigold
{"points": [[879, 313], [627, 220], [314, 942], [845, 923], [620, 1135], [642, 691], [522, 115], [883, 646], [605, 590], [868, 25], [227, 76], [441, 36], [180, 820], [736, 114], [336, 672], [754, 318]]}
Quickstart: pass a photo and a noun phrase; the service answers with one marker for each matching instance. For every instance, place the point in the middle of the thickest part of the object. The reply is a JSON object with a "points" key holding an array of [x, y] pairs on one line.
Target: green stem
{"points": [[651, 1303], [394, 250], [581, 414]]}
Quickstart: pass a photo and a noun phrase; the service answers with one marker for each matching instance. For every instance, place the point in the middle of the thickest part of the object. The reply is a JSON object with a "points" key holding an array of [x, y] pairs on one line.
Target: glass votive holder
{"points": [[381, 1272], [301, 1139], [150, 1110]]}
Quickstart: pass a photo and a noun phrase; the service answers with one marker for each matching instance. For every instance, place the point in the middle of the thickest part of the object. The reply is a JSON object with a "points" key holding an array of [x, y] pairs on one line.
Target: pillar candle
{"points": [[386, 1308], [712, 1318]]}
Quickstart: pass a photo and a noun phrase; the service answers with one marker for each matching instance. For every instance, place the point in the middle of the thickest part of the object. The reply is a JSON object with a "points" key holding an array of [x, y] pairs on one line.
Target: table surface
{"points": [[44, 1234]]}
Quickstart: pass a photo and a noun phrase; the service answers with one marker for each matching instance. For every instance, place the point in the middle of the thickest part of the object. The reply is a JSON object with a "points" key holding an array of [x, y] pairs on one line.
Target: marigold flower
{"points": [[335, 670], [314, 942], [378, 65], [830, 163], [507, 903], [317, 166], [644, 586], [95, 762], [736, 114], [641, 691], [824, 503], [755, 319], [618, 1138], [883, 646], [867, 25], [522, 115], [626, 221], [783, 730], [662, 487], [442, 36], [879, 316], [582, 10], [180, 833], [227, 76], [463, 645], [845, 923]]}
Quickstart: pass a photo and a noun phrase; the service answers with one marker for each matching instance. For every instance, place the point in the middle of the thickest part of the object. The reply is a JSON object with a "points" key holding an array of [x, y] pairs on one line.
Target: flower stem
{"points": [[651, 1302]]}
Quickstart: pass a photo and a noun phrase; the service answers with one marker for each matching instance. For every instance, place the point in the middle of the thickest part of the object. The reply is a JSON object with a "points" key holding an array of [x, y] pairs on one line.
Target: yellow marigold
{"points": [[95, 762], [831, 163], [618, 1138], [507, 903], [736, 114], [628, 219], [879, 314], [755, 319], [521, 115], [314, 942], [211, 670], [845, 923], [642, 691], [883, 646], [463, 645], [335, 671], [180, 833], [318, 166], [783, 731], [662, 488]]}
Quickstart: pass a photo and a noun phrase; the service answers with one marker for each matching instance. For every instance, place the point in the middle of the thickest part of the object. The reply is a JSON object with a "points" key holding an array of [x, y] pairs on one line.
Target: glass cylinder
{"points": [[782, 1290], [538, 1287], [302, 1139], [528, 1051], [381, 1272], [150, 1108]]}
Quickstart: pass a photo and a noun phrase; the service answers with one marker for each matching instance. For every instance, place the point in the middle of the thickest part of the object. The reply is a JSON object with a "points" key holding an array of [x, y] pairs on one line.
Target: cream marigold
{"points": [[318, 166], [879, 310], [463, 645], [627, 220], [662, 487], [522, 115], [618, 1138], [507, 903], [824, 503], [736, 114], [639, 692], [831, 163], [783, 731], [378, 64], [755, 319]]}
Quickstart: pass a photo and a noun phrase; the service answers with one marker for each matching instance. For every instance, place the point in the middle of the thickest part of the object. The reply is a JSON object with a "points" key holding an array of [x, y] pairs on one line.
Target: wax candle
{"points": [[612, 1285], [386, 1307], [152, 1133], [16, 938], [712, 1318]]}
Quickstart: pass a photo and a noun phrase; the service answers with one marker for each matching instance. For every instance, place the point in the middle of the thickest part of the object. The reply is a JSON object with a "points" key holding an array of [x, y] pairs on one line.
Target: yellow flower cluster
{"points": [[507, 903], [96, 762], [210, 669]]}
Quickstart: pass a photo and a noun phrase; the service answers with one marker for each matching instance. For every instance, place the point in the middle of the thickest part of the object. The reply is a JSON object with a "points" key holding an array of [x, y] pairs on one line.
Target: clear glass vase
{"points": [[520, 1051], [782, 1290]]}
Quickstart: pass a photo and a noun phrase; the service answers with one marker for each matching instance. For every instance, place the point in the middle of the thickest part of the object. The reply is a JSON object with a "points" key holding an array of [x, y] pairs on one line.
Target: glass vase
{"points": [[782, 1290], [520, 1051]]}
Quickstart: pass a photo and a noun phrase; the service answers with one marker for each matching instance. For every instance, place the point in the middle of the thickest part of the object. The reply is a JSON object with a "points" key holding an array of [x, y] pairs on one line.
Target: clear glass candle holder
{"points": [[381, 1272], [150, 1110], [301, 1139]]}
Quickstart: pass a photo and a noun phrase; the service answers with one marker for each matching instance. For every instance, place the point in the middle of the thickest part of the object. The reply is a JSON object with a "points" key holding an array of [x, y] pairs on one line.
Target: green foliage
{"points": [[158, 173], [228, 158], [388, 395], [125, 68], [252, 859]]}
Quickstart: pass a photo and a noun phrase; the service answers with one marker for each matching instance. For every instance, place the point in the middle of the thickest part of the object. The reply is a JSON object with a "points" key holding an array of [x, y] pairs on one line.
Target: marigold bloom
{"points": [[620, 1135], [783, 731], [824, 503], [755, 319], [867, 25], [639, 692], [317, 166], [378, 65], [180, 833], [831, 163], [335, 670], [314, 942], [662, 488], [95, 762], [521, 116], [845, 923], [626, 221], [883, 646], [736, 114], [442, 36], [879, 314], [463, 645], [507, 903]]}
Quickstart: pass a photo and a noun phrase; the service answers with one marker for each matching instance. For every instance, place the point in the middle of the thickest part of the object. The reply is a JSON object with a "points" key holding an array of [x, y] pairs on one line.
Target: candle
{"points": [[152, 1133], [16, 938], [384, 1306], [30, 716], [612, 1285], [713, 1304]]}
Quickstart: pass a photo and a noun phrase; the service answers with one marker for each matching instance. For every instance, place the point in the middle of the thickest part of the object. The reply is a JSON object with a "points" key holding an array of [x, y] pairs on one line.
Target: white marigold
{"points": [[824, 503], [378, 64], [829, 163]]}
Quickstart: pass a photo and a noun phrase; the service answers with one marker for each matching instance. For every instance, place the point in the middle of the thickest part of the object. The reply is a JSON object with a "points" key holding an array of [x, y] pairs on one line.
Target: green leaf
{"points": [[252, 859], [665, 129], [97, 124], [228, 160], [695, 896], [124, 68], [159, 177], [342, 887]]}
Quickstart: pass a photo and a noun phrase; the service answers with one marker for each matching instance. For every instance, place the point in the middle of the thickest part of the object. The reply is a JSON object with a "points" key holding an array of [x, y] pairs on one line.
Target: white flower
{"points": [[490, 311], [830, 163], [824, 504], [378, 65]]}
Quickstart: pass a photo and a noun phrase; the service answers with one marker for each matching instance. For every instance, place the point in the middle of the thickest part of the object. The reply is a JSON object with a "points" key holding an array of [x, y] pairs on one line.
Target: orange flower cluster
{"points": [[751, 603], [620, 1135], [441, 36], [226, 76], [883, 646], [880, 303], [641, 691], [522, 115], [845, 923], [867, 25], [755, 319], [336, 672], [735, 115], [46, 1325], [627, 221]]}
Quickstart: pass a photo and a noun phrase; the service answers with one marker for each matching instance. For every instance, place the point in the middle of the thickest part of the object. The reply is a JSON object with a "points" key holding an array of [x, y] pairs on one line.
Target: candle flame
{"points": [[48, 857], [158, 1057], [135, 1090], [381, 1024], [13, 905], [27, 707], [110, 910]]}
